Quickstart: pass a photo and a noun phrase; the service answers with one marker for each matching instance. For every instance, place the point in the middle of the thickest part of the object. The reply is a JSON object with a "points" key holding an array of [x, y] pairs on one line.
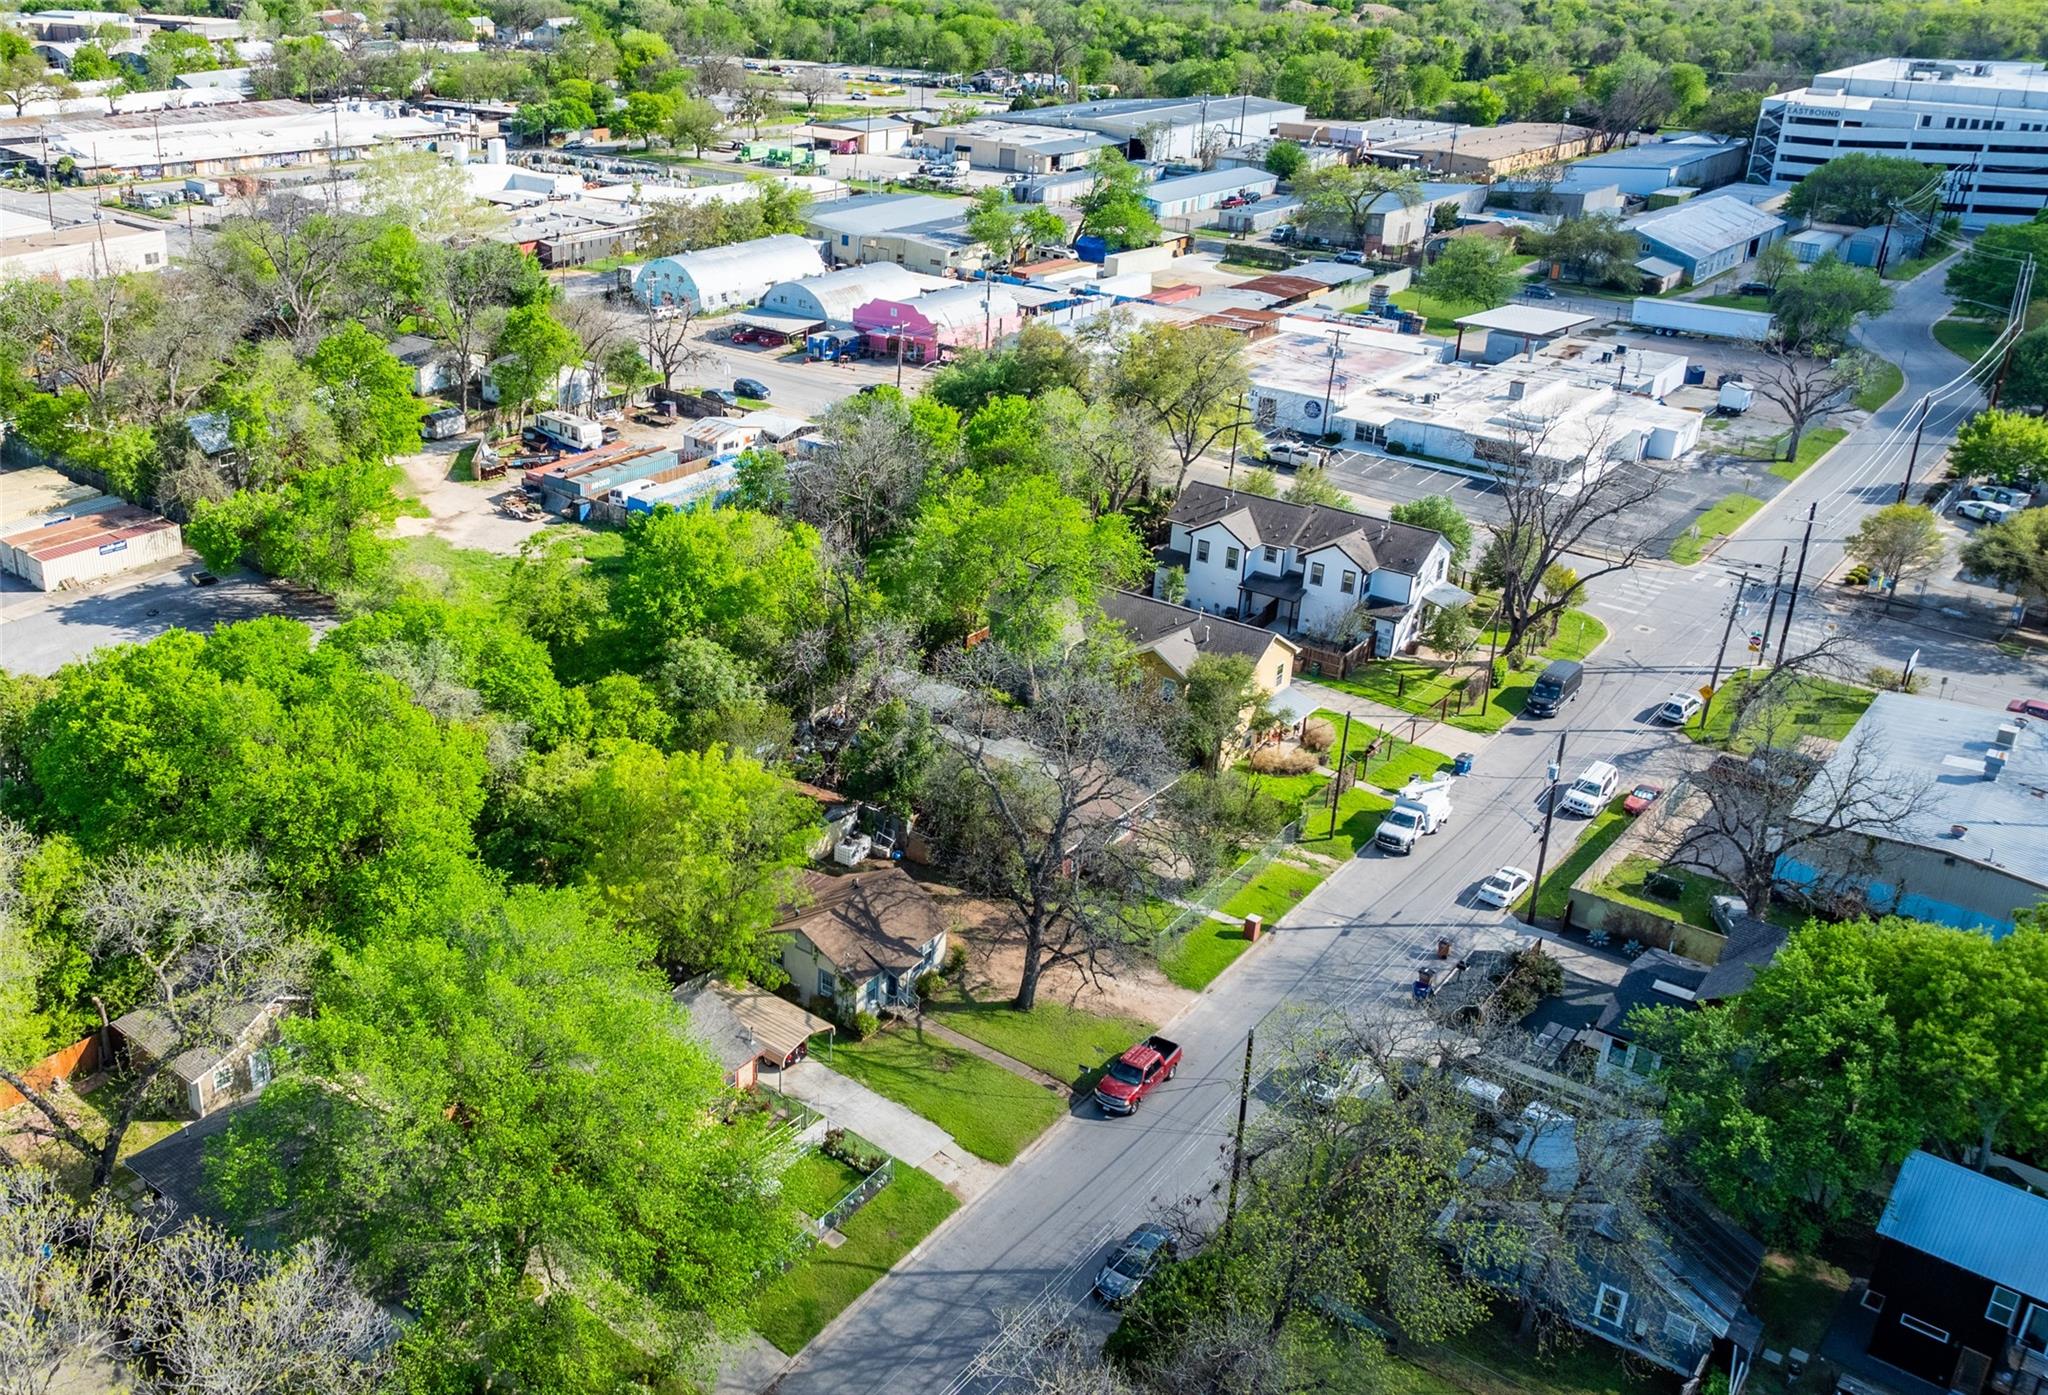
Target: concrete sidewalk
{"points": [[890, 1127], [1433, 735]]}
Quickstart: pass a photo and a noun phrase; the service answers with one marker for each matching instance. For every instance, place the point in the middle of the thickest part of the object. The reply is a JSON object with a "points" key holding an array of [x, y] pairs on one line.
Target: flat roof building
{"points": [[1169, 128], [217, 138], [917, 231], [1972, 848], [1193, 194], [1985, 123], [1014, 145], [1688, 161], [84, 250], [87, 540], [1490, 152]]}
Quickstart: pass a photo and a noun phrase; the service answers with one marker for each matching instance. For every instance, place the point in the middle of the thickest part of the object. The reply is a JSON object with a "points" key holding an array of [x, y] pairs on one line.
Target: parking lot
{"points": [[40, 632]]}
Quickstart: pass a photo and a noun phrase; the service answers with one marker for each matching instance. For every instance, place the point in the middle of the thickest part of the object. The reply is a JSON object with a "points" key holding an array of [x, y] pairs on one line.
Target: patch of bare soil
{"points": [[995, 961]]}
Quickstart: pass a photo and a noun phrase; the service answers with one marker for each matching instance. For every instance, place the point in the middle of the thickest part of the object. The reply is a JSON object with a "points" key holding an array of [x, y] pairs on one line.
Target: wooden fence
{"points": [[82, 1057]]}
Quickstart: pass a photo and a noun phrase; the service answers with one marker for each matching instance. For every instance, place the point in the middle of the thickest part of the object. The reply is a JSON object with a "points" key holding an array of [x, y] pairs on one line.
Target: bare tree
{"points": [[201, 931], [1783, 797], [753, 103], [64, 1270], [181, 346], [288, 258], [811, 83], [1109, 451], [1807, 389], [718, 74], [1191, 380], [666, 339], [1554, 503], [866, 484], [1043, 799], [602, 331]]}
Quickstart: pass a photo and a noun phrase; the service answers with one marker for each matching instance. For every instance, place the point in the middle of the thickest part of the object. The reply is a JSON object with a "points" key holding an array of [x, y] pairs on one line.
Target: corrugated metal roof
{"points": [[1208, 182], [1972, 1221], [1701, 227]]}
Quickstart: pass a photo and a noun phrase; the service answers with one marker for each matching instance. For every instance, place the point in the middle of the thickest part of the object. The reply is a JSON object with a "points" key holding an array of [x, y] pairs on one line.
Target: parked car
{"points": [[1985, 510], [1539, 293], [1234, 201], [1641, 798], [533, 438], [1677, 710], [1589, 794], [1292, 455], [750, 387], [1133, 1262], [2029, 707], [725, 395], [1503, 887], [1351, 256], [2012, 494], [1136, 1073], [611, 433]]}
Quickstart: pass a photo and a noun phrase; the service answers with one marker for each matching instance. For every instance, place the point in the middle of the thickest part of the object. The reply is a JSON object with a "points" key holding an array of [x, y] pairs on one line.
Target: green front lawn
{"points": [[796, 1305], [814, 1182], [1205, 949], [1595, 838], [1625, 883], [1358, 817], [1274, 892], [1967, 339], [1814, 444], [1418, 687], [1717, 522], [990, 1111], [1885, 381], [1439, 316], [1819, 707], [1907, 269], [1064, 1042], [1492, 1360]]}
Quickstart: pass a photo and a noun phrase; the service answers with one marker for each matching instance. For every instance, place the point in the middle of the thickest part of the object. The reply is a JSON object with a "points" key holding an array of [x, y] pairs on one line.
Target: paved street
{"points": [[1041, 1231]]}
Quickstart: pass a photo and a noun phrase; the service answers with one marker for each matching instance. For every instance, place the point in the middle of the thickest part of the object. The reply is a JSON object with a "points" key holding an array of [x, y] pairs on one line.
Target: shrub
{"points": [[1858, 575], [1886, 680], [1500, 670], [956, 961], [840, 1144], [1317, 735], [864, 1025], [928, 984], [1283, 760]]}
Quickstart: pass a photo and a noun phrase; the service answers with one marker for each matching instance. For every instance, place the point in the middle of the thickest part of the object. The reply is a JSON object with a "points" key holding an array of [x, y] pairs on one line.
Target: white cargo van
{"points": [[1591, 791]]}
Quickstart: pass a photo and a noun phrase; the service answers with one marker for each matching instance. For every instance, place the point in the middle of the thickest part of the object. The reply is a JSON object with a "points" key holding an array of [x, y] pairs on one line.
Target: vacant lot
{"points": [[990, 1111]]}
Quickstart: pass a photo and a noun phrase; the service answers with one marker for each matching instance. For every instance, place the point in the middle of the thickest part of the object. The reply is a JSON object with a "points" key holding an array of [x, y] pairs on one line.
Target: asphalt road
{"points": [[1039, 1234]]}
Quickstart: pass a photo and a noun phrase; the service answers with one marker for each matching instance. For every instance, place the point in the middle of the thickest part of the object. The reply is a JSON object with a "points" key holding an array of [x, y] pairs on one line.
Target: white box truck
{"points": [[1690, 317], [1421, 807], [570, 431]]}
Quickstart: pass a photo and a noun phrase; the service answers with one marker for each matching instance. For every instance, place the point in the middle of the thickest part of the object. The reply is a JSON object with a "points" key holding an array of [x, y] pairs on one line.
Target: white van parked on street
{"points": [[1591, 791]]}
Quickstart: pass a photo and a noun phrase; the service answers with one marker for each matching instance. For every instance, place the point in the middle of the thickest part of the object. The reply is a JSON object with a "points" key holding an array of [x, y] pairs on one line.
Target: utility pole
{"points": [[1236, 424], [1337, 785], [1549, 813], [1330, 388], [1721, 654], [1798, 575], [1913, 457], [1771, 614], [1244, 1095]]}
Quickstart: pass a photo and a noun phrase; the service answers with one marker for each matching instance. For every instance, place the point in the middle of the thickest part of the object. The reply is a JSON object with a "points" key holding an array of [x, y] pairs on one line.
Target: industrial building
{"points": [[56, 532], [83, 250], [1687, 162], [1011, 145], [1304, 371], [1365, 135], [912, 230], [1971, 850], [1488, 152], [1169, 128], [216, 138], [1574, 196], [1984, 122], [1393, 223], [1706, 237], [832, 298], [860, 135], [1192, 195], [718, 278], [958, 317]]}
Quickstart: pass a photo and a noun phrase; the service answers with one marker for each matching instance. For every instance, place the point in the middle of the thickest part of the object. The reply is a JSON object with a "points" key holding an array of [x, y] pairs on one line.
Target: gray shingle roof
{"points": [[1371, 542], [1150, 623], [1639, 989], [1752, 943], [1975, 1222]]}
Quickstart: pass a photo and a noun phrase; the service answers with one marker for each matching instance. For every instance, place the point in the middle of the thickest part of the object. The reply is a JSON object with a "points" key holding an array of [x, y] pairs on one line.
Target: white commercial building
{"points": [[1984, 123], [1193, 194], [85, 250], [1306, 372], [718, 278], [831, 299], [82, 538], [216, 138], [1169, 128], [1010, 145]]}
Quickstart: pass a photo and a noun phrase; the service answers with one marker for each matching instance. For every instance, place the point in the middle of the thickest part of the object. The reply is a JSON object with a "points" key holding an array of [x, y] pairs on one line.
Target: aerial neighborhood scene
{"points": [[955, 697]]}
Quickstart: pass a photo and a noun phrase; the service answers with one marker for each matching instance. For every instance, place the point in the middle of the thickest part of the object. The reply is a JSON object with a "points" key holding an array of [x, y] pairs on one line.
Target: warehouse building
{"points": [[85, 250], [1011, 145], [939, 322], [1489, 152], [1170, 128], [718, 278], [860, 135], [216, 138], [831, 299], [1192, 195], [1574, 196], [1304, 371], [1365, 136], [916, 231], [1706, 237], [1985, 123], [1685, 162], [83, 541]]}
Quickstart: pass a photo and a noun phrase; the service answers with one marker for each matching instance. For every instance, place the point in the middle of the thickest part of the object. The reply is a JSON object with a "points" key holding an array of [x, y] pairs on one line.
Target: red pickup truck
{"points": [[1134, 1074]]}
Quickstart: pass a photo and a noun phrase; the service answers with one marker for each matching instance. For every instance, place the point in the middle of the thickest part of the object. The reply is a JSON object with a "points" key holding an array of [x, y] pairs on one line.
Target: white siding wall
{"points": [[1213, 575]]}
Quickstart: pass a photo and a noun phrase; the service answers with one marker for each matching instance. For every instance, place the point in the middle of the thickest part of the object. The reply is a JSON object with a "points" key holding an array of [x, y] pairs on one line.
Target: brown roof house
{"points": [[863, 940], [212, 1076], [746, 1028]]}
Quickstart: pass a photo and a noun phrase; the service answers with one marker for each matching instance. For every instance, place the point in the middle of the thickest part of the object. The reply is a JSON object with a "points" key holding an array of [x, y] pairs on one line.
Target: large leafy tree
{"points": [[741, 578], [1816, 309], [1595, 249], [2015, 551], [2003, 447], [1472, 271], [1863, 189], [1348, 195], [1985, 277], [532, 349], [1113, 208], [1191, 380], [509, 1129], [1898, 542], [367, 392], [1438, 512]]}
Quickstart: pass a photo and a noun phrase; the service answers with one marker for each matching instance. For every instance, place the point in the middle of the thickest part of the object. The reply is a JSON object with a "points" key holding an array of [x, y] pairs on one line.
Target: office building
{"points": [[1983, 125]]}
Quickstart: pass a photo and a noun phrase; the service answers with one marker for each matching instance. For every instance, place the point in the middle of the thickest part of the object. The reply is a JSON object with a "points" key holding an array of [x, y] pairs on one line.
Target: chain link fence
{"points": [[1230, 883]]}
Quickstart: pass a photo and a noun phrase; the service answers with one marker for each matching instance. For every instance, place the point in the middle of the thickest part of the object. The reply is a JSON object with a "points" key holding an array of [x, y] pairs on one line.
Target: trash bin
{"points": [[1463, 764]]}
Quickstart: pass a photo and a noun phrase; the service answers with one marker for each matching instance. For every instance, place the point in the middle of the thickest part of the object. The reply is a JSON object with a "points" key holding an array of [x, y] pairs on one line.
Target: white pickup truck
{"points": [[1420, 808]]}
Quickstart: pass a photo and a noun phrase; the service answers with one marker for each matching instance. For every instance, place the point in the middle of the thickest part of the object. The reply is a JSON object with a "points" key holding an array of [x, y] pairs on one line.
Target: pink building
{"points": [[939, 322]]}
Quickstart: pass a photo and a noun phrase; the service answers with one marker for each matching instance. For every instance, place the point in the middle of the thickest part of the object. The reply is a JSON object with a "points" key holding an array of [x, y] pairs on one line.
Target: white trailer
{"points": [[1420, 808], [1690, 317]]}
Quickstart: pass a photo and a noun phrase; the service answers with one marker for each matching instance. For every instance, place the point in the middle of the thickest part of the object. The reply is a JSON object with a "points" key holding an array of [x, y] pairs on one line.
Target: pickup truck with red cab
{"points": [[1135, 1074]]}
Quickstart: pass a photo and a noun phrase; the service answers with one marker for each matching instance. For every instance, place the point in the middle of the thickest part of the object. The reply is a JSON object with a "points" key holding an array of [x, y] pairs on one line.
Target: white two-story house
{"points": [[1304, 569]]}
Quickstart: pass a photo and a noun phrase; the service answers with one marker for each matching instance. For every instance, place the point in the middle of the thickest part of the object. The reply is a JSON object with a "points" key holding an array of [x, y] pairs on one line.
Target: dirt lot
{"points": [[995, 958]]}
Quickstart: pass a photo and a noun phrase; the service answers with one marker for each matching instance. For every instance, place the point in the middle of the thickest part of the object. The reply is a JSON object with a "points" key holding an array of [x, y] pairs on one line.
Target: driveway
{"points": [[889, 1126], [41, 631]]}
